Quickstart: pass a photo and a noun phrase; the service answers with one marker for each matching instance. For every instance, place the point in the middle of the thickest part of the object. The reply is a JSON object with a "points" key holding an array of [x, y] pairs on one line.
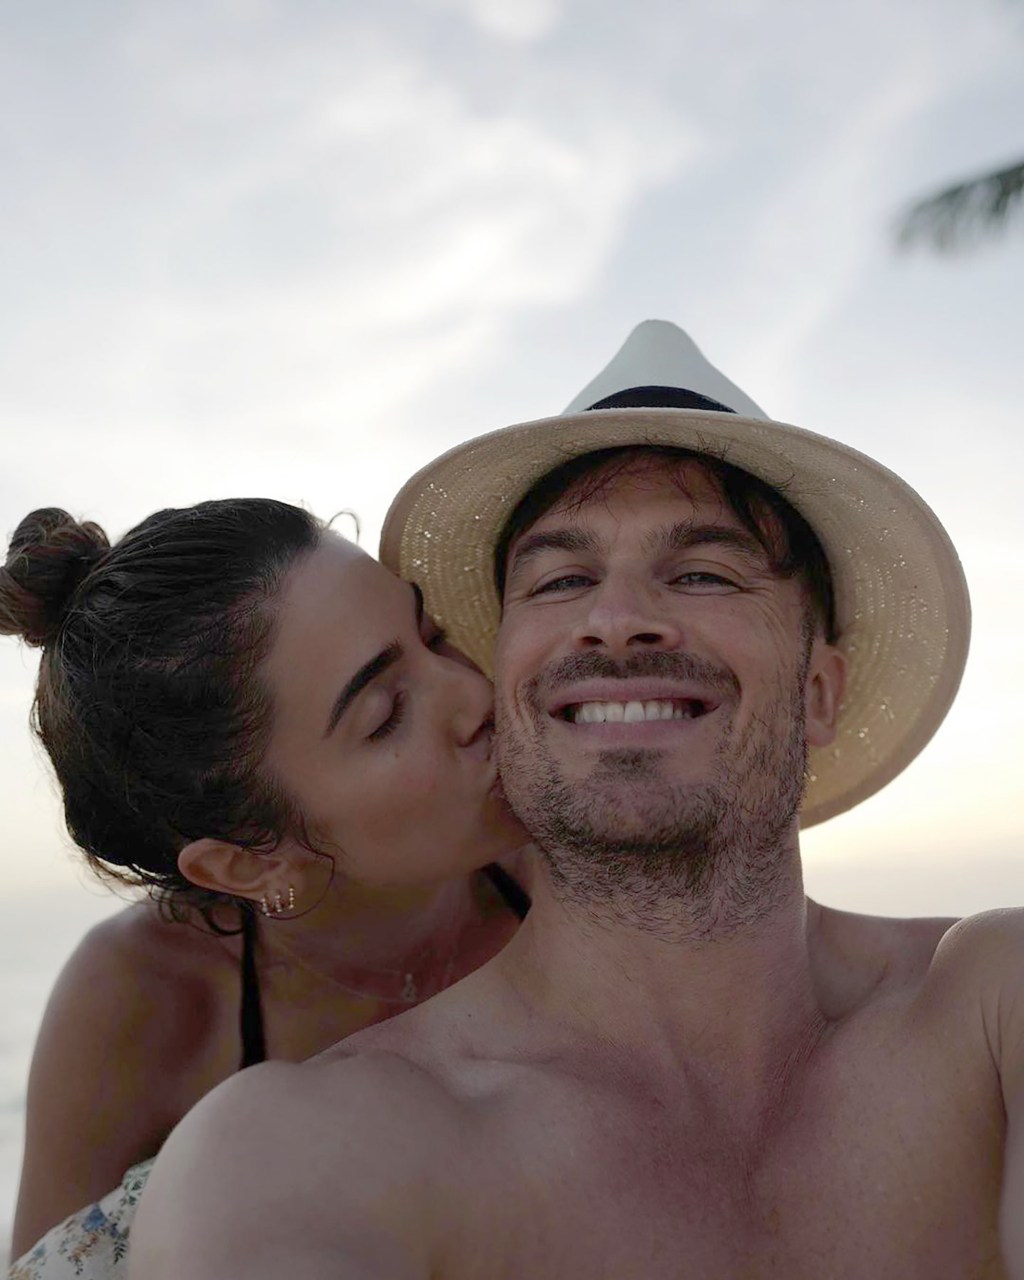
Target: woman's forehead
{"points": [[337, 580]]}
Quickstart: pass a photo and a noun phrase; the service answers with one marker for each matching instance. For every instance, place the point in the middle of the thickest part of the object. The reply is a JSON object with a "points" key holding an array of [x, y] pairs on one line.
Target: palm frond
{"points": [[966, 213]]}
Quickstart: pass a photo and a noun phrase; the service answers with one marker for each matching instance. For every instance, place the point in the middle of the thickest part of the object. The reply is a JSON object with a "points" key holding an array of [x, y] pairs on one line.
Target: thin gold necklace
{"points": [[410, 992]]}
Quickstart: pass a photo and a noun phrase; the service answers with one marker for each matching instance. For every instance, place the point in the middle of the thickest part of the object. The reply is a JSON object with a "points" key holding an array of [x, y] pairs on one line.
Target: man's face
{"points": [[654, 676]]}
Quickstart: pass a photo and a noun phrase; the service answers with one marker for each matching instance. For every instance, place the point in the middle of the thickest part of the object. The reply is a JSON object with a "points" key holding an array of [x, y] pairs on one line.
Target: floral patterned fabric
{"points": [[93, 1243]]}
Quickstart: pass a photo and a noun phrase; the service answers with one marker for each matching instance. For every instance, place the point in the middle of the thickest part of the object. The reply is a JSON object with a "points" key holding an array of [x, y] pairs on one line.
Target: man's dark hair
{"points": [[789, 542], [148, 700]]}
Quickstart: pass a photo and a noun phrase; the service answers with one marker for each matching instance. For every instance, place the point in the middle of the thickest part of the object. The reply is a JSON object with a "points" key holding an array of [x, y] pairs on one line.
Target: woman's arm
{"points": [[91, 1243], [101, 1092]]}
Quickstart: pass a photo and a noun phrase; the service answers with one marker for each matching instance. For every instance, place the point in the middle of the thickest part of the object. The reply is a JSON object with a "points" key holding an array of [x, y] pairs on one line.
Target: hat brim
{"points": [[902, 606]]}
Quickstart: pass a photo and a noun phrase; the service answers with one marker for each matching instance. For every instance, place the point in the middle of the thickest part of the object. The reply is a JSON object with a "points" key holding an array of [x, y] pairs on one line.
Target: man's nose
{"points": [[624, 616]]}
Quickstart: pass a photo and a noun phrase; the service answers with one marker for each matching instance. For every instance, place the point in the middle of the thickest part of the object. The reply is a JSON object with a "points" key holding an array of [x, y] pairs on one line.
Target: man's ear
{"points": [[229, 868], [823, 693]]}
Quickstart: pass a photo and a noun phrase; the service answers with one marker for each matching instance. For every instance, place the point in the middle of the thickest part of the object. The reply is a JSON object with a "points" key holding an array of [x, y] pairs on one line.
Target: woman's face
{"points": [[381, 732]]}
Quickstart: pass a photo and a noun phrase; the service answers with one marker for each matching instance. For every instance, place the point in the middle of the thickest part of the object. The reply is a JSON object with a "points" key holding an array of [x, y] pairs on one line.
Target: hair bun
{"points": [[49, 555]]}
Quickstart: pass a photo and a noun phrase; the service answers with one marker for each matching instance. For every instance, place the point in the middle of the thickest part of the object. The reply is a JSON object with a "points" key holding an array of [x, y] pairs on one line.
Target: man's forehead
{"points": [[691, 479]]}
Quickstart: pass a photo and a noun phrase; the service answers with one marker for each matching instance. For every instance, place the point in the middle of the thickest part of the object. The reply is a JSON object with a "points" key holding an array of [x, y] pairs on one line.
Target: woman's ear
{"points": [[823, 693], [229, 868]]}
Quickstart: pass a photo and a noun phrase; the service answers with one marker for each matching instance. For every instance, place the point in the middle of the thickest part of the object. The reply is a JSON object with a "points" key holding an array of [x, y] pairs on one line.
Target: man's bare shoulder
{"points": [[348, 1137], [861, 958], [983, 956], [952, 968], [980, 950], [346, 1100]]}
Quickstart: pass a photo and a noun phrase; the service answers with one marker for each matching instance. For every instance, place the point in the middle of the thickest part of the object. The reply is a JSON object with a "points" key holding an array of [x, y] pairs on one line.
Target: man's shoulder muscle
{"points": [[977, 975], [348, 1142], [984, 953], [987, 953]]}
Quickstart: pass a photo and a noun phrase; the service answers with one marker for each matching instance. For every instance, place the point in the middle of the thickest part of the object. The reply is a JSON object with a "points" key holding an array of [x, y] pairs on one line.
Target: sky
{"points": [[298, 249]]}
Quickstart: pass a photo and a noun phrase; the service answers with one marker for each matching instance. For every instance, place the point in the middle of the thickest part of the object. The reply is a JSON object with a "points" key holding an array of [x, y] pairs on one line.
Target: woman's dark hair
{"points": [[787, 539], [148, 700]]}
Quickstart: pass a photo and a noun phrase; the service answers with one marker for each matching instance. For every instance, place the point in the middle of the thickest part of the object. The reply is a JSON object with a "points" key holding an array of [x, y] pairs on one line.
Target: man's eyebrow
{"points": [[369, 671], [526, 549], [682, 536]]}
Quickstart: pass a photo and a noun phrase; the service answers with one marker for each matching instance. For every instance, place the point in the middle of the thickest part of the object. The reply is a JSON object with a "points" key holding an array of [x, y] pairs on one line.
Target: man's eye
{"points": [[567, 582], [702, 578], [437, 639]]}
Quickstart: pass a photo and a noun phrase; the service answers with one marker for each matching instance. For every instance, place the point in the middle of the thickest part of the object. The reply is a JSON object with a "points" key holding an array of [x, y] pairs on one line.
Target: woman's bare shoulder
{"points": [[139, 984], [136, 1029], [154, 944]]}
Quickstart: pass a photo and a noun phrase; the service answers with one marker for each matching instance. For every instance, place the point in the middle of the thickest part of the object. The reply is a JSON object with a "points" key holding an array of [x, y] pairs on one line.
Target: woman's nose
{"points": [[465, 694]]}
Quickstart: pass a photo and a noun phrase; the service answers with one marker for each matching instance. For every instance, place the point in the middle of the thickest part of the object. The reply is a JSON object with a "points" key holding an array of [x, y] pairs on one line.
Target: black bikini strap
{"points": [[254, 1047], [515, 896]]}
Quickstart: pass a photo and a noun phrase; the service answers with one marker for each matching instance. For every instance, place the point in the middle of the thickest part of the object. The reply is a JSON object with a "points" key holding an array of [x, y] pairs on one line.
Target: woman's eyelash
{"points": [[398, 707], [393, 720]]}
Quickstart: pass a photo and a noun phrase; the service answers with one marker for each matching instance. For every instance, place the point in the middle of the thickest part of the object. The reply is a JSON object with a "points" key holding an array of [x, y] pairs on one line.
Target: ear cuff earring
{"points": [[279, 905]]}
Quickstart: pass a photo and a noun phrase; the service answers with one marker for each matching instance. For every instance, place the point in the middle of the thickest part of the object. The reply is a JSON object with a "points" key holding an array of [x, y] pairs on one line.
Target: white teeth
{"points": [[629, 712]]}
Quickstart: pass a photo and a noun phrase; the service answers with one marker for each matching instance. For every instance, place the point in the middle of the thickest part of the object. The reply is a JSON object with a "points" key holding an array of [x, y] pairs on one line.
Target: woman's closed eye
{"points": [[435, 639], [392, 720]]}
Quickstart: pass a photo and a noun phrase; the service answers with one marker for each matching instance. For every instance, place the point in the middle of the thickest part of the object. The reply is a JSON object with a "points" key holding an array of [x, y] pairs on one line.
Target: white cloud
{"points": [[518, 21], [369, 244]]}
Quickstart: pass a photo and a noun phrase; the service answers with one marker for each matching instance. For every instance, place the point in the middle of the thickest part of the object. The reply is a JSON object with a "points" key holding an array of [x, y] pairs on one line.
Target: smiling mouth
{"points": [[634, 711]]}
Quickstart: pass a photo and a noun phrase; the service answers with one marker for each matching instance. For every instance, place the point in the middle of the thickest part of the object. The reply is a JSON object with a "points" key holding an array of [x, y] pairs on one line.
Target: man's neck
{"points": [[736, 1005]]}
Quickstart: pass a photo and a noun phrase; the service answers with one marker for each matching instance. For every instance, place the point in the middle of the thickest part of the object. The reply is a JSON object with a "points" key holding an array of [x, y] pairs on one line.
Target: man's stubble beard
{"points": [[673, 859]]}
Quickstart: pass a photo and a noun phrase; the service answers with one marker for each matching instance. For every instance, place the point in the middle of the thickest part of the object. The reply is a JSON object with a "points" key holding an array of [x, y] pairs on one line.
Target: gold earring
{"points": [[279, 906]]}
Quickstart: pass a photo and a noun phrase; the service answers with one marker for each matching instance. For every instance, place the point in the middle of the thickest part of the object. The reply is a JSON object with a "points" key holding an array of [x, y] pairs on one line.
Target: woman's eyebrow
{"points": [[369, 671]]}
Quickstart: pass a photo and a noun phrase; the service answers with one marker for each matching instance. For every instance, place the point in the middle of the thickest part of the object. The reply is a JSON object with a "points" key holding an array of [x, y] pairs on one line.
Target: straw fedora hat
{"points": [[902, 607]]}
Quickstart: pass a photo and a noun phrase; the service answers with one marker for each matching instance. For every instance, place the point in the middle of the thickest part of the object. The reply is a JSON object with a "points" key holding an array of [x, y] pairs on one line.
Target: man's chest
{"points": [[880, 1165]]}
